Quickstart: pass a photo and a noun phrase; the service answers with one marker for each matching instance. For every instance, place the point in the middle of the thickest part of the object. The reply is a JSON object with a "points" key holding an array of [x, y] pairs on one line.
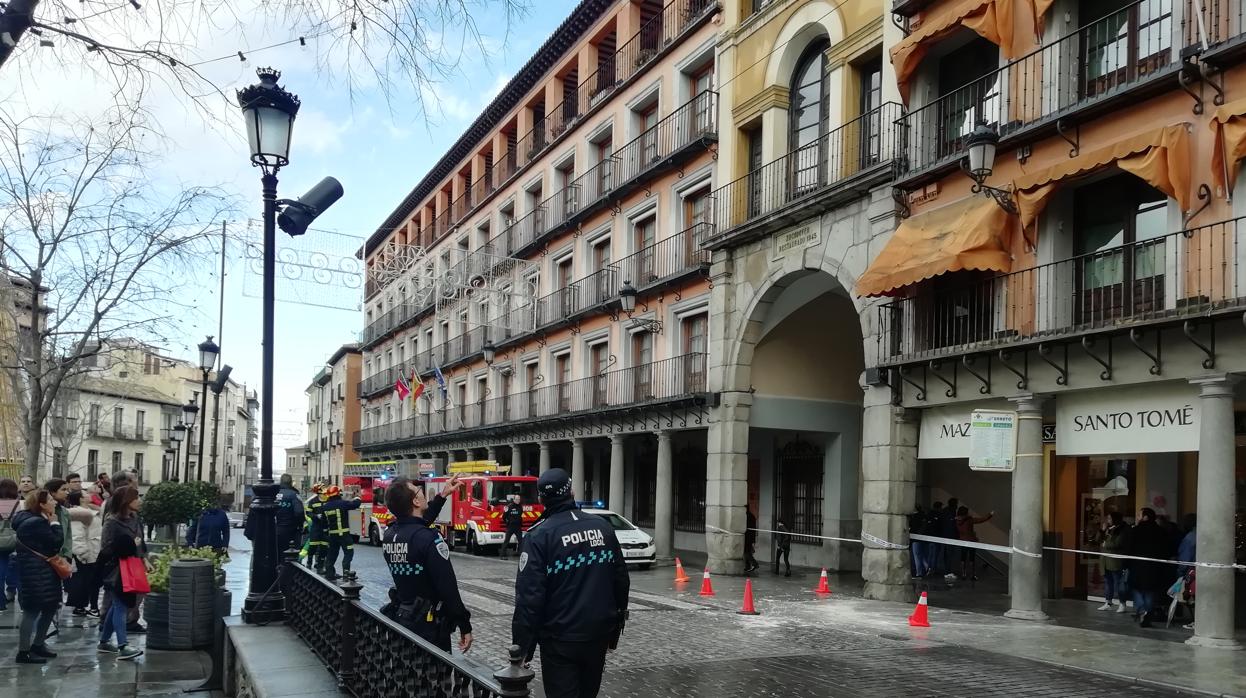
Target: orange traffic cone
{"points": [[919, 619], [707, 589], [680, 576], [748, 609], [824, 587]]}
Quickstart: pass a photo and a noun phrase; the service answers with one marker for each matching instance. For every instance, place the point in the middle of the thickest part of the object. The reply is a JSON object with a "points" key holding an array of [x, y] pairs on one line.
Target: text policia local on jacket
{"points": [[37, 540]]}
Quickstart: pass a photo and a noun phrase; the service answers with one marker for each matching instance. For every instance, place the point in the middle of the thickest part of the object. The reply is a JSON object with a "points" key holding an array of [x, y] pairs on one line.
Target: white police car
{"points": [[638, 547]]}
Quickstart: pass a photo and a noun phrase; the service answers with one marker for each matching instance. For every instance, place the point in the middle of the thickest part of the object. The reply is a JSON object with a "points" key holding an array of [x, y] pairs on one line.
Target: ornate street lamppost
{"points": [[208, 351]]}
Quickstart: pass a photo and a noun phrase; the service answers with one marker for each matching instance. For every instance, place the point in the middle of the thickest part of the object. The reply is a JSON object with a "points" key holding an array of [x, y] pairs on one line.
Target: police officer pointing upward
{"points": [[570, 593], [425, 598]]}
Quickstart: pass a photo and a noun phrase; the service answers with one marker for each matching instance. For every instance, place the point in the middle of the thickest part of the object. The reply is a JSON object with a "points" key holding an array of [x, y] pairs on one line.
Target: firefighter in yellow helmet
{"points": [[317, 536], [337, 518]]}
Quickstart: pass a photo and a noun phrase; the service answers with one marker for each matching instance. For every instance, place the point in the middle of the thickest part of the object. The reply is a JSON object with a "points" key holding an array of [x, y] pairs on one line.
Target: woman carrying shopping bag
{"points": [[122, 550]]}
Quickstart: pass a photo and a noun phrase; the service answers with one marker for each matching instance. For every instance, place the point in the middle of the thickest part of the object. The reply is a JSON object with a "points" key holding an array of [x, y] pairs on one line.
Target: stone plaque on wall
{"points": [[797, 239]]}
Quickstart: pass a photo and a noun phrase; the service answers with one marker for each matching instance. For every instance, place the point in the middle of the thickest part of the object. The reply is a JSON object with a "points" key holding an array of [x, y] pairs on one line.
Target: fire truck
{"points": [[368, 482], [472, 516]]}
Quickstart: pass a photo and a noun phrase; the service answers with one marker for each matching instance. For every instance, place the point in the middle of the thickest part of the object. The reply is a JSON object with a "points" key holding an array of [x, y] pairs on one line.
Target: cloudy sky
{"points": [[378, 146]]}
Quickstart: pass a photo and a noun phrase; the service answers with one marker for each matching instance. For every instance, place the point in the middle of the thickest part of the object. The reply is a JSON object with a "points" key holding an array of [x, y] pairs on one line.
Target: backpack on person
{"points": [[8, 537]]}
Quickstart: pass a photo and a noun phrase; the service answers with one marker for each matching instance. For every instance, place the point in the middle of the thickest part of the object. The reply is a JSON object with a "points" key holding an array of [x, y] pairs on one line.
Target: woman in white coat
{"points": [[84, 586]]}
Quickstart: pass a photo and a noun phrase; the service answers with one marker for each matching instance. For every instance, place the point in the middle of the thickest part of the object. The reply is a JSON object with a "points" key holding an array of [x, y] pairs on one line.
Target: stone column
{"points": [[577, 468], [1213, 624], [516, 459], [616, 473], [544, 456], [491, 453], [664, 507], [1025, 572], [889, 490], [726, 486]]}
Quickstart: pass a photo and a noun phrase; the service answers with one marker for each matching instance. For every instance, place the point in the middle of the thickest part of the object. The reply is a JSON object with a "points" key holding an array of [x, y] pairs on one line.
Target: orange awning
{"points": [[992, 19], [973, 233], [1229, 146], [1160, 158]]}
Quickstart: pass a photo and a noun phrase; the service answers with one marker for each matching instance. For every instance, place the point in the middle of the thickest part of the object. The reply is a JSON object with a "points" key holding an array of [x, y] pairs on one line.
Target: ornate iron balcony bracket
{"points": [[1087, 344], [1135, 336], [1023, 374], [1062, 368]]}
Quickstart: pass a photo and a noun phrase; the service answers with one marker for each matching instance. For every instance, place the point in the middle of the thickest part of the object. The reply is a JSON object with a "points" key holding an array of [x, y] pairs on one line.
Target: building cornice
{"points": [[767, 98]]}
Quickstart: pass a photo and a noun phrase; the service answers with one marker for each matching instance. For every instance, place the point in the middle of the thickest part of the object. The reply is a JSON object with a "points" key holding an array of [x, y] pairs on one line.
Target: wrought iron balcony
{"points": [[1187, 275], [666, 260], [1086, 71], [665, 381], [121, 432], [848, 160], [1224, 24]]}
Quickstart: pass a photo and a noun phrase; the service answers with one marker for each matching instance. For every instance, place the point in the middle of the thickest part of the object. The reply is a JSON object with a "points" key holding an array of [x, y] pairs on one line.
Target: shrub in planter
{"points": [[171, 503], [156, 607]]}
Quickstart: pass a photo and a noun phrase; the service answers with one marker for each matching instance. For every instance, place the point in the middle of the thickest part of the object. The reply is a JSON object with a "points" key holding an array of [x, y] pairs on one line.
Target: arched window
{"points": [[807, 126]]}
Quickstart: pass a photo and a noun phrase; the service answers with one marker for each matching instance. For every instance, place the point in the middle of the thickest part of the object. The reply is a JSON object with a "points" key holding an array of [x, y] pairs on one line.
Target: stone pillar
{"points": [[577, 468], [544, 456], [889, 490], [516, 459], [664, 507], [616, 473], [726, 486], [491, 453], [1213, 624], [1025, 571]]}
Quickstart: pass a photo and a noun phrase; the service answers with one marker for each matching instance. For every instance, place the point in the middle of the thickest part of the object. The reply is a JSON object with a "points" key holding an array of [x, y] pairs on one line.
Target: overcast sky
{"points": [[377, 148]]}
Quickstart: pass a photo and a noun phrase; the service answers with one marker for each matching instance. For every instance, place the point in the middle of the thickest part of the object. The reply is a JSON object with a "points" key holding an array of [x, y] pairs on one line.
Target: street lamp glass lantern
{"points": [[627, 297], [189, 412], [490, 353], [981, 145], [178, 434], [269, 112], [208, 351]]}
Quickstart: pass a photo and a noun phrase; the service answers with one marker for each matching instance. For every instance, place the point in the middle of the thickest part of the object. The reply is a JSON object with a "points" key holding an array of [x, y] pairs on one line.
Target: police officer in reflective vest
{"points": [[317, 530], [337, 518], [289, 516], [570, 593], [425, 597]]}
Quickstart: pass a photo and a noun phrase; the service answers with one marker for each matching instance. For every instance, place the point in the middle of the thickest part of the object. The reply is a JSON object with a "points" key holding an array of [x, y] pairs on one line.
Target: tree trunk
{"points": [[34, 436]]}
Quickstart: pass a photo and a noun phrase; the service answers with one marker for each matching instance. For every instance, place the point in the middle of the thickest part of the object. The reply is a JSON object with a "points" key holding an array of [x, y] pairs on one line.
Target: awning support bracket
{"points": [[919, 387], [1023, 374], [901, 197], [1185, 80], [1135, 336], [901, 22], [1190, 329], [1209, 72], [968, 360], [1088, 343], [1076, 141], [1044, 350], [951, 384], [1204, 195]]}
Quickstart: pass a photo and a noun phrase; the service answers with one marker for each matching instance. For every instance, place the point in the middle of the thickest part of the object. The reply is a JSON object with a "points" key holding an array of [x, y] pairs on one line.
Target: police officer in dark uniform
{"points": [[289, 516], [425, 596], [512, 518], [570, 593]]}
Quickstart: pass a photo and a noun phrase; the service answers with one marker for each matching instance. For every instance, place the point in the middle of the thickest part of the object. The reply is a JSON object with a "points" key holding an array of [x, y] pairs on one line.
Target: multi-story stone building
{"points": [[23, 317], [584, 186], [333, 412], [1070, 253], [296, 467]]}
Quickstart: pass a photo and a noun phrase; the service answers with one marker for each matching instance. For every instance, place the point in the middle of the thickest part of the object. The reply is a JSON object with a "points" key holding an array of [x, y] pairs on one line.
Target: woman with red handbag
{"points": [[120, 546], [39, 539]]}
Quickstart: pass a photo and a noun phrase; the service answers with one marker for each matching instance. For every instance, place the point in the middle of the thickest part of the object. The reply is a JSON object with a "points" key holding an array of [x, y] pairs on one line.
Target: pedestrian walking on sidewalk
{"points": [[783, 547], [210, 529], [1148, 578], [513, 519], [10, 504], [122, 539], [750, 542], [425, 597], [1115, 540], [918, 565], [83, 587], [39, 539], [570, 593], [964, 530]]}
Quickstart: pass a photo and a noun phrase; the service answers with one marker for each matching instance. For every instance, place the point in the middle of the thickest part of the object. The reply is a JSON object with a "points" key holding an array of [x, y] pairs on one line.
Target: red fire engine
{"points": [[473, 515], [368, 482]]}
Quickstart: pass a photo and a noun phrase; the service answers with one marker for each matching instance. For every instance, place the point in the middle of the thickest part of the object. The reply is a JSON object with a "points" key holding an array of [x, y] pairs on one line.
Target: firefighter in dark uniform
{"points": [[425, 596], [289, 516], [512, 518], [317, 534], [337, 517], [570, 593]]}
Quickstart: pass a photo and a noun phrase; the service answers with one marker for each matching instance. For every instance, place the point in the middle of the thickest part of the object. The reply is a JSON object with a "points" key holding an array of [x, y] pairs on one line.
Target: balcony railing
{"points": [[1192, 273], [858, 146], [1222, 20], [1101, 59], [579, 296], [122, 432], [667, 259], [361, 646], [660, 381]]}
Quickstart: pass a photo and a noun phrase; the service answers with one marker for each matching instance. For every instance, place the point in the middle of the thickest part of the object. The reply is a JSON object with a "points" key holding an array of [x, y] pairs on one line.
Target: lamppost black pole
{"points": [[218, 385]]}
